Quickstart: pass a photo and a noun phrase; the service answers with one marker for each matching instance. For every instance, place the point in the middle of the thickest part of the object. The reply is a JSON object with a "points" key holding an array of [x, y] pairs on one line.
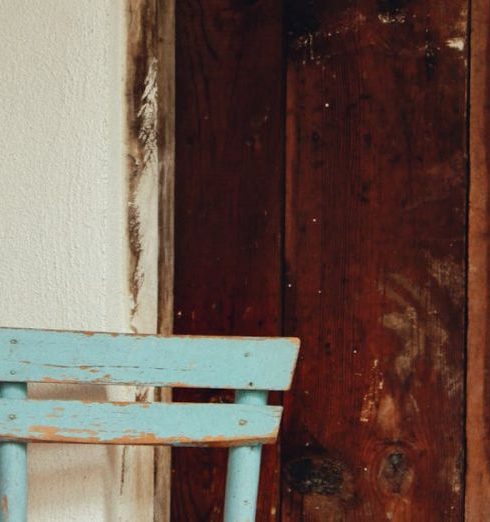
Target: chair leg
{"points": [[242, 483], [13, 468]]}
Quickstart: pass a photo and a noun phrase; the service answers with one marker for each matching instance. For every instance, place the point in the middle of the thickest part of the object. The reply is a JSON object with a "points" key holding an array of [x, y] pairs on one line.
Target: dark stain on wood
{"points": [[431, 56], [319, 474], [142, 53], [395, 474], [392, 7], [301, 18]]}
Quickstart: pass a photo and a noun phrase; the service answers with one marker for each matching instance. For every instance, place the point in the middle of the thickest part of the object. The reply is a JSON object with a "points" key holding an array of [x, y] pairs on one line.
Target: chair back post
{"points": [[242, 481], [13, 467]]}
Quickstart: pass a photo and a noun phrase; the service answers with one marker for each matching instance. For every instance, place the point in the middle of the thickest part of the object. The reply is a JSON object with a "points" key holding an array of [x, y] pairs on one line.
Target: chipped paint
{"points": [[5, 507], [175, 361], [138, 424]]}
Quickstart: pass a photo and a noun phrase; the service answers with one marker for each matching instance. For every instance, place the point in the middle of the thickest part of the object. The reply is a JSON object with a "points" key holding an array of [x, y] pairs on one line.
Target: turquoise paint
{"points": [[242, 481], [250, 365], [178, 424], [207, 362], [13, 467]]}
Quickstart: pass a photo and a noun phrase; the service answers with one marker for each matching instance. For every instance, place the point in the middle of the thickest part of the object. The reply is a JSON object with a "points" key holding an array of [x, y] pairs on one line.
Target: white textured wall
{"points": [[63, 247]]}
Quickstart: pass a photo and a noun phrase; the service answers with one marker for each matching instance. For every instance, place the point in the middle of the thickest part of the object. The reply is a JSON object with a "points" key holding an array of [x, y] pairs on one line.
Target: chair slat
{"points": [[176, 424], [176, 361]]}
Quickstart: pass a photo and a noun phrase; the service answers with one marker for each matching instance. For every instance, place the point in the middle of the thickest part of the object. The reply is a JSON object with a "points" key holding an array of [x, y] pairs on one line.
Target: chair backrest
{"points": [[250, 365], [101, 358]]}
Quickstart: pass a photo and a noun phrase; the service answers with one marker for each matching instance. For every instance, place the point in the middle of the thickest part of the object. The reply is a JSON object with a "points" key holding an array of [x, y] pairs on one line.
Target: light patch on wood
{"points": [[392, 18], [457, 43], [449, 276], [417, 324], [370, 400], [388, 416]]}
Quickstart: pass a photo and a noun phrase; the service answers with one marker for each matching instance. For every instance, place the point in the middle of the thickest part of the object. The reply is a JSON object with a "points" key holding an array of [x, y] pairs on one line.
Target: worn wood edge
{"points": [[165, 21], [142, 126], [46, 436], [166, 150], [143, 165], [87, 431], [295, 341], [146, 440], [107, 381], [39, 356], [477, 507]]}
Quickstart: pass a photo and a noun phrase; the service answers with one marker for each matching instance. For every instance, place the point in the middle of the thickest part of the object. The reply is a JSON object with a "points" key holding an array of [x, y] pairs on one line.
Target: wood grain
{"points": [[143, 128], [150, 424], [165, 20], [145, 153], [478, 388], [375, 252], [229, 123], [245, 363]]}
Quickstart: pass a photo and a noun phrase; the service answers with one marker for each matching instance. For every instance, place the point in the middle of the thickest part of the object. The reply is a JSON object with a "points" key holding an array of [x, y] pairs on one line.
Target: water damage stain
{"points": [[319, 475]]}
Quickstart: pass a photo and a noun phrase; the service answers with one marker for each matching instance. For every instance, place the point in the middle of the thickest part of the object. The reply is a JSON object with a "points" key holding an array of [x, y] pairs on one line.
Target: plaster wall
{"points": [[63, 215]]}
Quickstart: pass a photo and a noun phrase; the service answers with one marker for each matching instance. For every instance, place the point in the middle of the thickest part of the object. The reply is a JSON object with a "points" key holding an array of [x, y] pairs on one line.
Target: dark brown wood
{"points": [[478, 389], [375, 251], [229, 188]]}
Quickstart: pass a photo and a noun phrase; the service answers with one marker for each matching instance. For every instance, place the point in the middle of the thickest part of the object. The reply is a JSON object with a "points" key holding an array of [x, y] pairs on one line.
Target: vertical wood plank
{"points": [[375, 252], [478, 386], [146, 69], [165, 20], [143, 162], [228, 207]]}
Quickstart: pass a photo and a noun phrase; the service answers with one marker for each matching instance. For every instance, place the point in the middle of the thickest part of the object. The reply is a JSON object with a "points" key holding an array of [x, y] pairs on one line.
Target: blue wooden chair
{"points": [[249, 365]]}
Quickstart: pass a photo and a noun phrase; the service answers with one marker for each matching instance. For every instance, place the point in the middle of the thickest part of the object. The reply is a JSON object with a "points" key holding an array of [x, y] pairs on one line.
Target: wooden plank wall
{"points": [[321, 188], [228, 209], [375, 255], [478, 420]]}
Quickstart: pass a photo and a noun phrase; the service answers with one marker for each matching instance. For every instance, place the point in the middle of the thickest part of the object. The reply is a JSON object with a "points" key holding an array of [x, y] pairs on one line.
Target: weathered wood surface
{"points": [[375, 256], [144, 124], [187, 361], [137, 423], [165, 21], [229, 126], [147, 125], [478, 380]]}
